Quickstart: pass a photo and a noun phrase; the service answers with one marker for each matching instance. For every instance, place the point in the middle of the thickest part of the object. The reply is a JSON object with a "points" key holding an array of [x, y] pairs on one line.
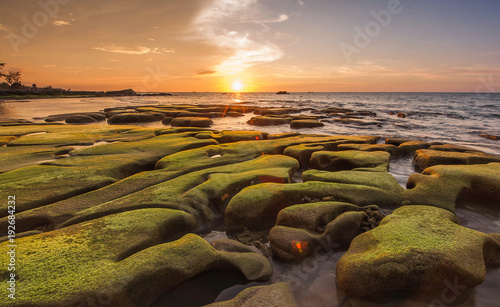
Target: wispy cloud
{"points": [[2, 28], [206, 72], [61, 23], [136, 50], [229, 24]]}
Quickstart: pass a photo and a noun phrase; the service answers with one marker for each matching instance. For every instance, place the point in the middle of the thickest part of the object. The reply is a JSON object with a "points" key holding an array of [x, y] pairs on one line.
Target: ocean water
{"points": [[457, 118]]}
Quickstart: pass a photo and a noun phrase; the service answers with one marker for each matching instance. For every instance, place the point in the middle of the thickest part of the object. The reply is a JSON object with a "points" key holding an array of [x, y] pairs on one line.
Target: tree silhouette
{"points": [[13, 77]]}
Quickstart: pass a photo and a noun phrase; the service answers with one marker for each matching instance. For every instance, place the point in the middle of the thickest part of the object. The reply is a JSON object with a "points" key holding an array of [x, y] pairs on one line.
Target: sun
{"points": [[237, 86]]}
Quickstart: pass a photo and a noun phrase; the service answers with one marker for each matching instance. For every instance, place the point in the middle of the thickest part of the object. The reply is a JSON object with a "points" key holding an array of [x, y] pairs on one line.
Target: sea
{"points": [[456, 118]]}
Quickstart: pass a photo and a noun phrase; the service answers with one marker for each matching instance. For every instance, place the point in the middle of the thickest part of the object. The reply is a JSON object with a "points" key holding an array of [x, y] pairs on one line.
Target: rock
{"points": [[80, 119], [305, 123], [408, 148], [233, 136], [451, 147], [167, 120], [369, 147], [494, 135], [269, 121], [91, 168], [426, 158], [198, 114], [6, 139], [276, 295], [401, 115], [131, 118], [446, 186], [256, 207], [396, 142], [307, 229], [303, 152], [106, 258], [349, 159], [416, 248], [202, 193], [201, 122], [15, 157]]}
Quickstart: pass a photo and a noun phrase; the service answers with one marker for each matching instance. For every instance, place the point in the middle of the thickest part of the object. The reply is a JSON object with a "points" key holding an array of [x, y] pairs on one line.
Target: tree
{"points": [[13, 77], [1, 67]]}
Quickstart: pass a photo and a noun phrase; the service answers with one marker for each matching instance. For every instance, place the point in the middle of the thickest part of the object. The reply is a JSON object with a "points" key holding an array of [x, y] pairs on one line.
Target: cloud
{"points": [[206, 72], [231, 26], [61, 23], [2, 28], [136, 50]]}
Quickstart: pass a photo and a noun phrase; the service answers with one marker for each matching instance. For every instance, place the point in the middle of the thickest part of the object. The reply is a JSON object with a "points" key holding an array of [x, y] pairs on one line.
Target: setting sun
{"points": [[237, 86]]}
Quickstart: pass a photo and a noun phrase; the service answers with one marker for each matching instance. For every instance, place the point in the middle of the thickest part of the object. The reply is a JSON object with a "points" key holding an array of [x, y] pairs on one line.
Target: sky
{"points": [[254, 45]]}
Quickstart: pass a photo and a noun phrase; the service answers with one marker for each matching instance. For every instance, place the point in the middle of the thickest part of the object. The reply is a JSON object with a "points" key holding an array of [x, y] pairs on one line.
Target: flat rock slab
{"points": [[427, 158], [202, 122], [305, 123]]}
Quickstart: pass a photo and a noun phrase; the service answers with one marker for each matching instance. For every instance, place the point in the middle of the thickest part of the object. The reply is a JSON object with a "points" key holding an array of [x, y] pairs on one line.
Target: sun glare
{"points": [[237, 86]]}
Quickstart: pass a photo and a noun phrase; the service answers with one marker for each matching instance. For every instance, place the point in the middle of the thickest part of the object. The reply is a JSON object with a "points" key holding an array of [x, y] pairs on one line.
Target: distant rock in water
{"points": [[282, 93]]}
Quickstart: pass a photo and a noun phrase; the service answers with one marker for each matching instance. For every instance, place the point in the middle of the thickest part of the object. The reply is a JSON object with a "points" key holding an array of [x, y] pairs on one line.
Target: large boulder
{"points": [[416, 248]]}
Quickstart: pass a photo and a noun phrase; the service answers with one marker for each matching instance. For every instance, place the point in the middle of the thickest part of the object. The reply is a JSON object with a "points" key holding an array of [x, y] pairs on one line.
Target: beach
{"points": [[305, 199]]}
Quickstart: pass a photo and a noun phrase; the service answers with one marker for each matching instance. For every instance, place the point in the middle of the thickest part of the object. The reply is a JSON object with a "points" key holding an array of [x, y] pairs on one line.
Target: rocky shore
{"points": [[122, 215]]}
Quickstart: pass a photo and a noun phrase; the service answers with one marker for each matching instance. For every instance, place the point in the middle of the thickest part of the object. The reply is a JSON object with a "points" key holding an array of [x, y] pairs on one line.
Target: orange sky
{"points": [[293, 45]]}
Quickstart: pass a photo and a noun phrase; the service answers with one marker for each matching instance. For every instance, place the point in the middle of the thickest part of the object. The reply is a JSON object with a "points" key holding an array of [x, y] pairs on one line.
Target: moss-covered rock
{"points": [[380, 180], [64, 135], [233, 136], [91, 168], [305, 123], [269, 120], [416, 248], [304, 230], [427, 158], [204, 194], [201, 122], [276, 295], [118, 260], [258, 206], [6, 139], [15, 157], [132, 118], [369, 147], [446, 186], [349, 159], [409, 147]]}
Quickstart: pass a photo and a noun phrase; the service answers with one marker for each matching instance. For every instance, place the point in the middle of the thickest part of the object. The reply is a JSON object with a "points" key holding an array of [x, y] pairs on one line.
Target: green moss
{"points": [[349, 159], [416, 247]]}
